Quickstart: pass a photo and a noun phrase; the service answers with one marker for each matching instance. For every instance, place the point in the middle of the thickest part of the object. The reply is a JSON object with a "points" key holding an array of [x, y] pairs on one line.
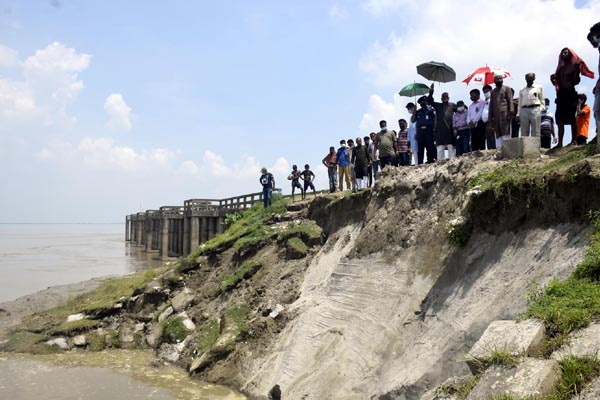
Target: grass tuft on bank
{"points": [[517, 174], [571, 304], [110, 292], [230, 281], [249, 228]]}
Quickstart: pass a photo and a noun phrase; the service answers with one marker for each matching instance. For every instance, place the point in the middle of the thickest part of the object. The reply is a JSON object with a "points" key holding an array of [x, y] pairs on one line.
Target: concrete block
{"points": [[521, 147], [585, 342], [532, 377], [522, 337], [182, 300]]}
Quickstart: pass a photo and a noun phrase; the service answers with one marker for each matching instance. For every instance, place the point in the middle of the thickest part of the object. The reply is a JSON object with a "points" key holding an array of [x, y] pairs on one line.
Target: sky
{"points": [[110, 107]]}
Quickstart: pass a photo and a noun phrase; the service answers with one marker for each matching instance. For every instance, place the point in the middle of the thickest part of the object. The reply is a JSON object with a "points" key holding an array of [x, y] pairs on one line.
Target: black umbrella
{"points": [[436, 71]]}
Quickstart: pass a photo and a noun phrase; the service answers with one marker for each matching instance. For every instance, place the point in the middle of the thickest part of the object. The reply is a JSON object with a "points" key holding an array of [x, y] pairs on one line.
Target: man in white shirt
{"points": [[475, 121], [531, 105]]}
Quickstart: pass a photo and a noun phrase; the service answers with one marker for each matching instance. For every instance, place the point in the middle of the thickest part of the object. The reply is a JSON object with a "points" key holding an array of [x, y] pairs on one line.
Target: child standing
{"points": [[462, 133], [582, 119], [308, 177], [547, 127], [295, 178]]}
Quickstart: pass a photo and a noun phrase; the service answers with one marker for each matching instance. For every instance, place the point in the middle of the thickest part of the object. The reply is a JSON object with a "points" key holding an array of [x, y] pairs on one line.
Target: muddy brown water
{"points": [[107, 375], [36, 256]]}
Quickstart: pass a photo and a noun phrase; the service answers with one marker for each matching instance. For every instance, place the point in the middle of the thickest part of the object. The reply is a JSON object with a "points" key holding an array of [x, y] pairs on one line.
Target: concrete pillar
{"points": [[194, 233], [164, 238], [204, 229], [180, 237], [127, 229], [134, 233], [212, 227], [156, 235], [186, 235], [140, 230], [149, 232], [221, 225]]}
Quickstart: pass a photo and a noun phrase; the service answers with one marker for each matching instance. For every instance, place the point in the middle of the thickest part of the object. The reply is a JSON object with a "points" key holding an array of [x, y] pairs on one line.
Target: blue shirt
{"points": [[425, 117], [342, 157], [266, 180]]}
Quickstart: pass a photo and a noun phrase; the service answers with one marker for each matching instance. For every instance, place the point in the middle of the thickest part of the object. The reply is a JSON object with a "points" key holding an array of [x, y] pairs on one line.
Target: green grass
{"points": [[110, 292], [96, 341], [518, 173], [68, 328], [573, 303], [229, 281], [457, 232], [173, 330], [297, 245], [508, 396], [208, 335], [590, 267], [575, 373], [237, 317], [307, 230], [460, 391], [251, 226], [27, 342]]}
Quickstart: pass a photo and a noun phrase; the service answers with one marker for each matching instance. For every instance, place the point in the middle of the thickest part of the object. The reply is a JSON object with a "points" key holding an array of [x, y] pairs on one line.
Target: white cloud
{"points": [[8, 57], [50, 83], [519, 36], [119, 113], [338, 12], [381, 7], [379, 109]]}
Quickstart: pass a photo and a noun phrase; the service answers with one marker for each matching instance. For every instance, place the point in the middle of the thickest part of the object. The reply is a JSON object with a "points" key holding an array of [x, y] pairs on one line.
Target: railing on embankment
{"points": [[175, 231]]}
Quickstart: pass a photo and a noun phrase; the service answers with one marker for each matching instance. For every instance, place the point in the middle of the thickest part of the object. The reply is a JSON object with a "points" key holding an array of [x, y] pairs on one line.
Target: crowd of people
{"points": [[445, 129]]}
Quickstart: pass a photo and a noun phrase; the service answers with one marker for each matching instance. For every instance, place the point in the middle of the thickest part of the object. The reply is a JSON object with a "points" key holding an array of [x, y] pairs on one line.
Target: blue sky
{"points": [[108, 107]]}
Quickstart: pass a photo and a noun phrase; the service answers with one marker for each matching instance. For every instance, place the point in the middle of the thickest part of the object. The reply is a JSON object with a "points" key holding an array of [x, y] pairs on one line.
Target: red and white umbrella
{"points": [[485, 75]]}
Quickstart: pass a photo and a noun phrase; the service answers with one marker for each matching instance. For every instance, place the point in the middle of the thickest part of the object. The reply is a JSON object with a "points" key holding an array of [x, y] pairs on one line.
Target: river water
{"points": [[34, 257]]}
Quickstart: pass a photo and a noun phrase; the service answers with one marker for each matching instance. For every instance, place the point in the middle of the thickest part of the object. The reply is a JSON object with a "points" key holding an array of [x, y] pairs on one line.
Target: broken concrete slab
{"points": [[521, 147], [166, 314], [532, 377], [524, 337], [585, 342], [182, 300]]}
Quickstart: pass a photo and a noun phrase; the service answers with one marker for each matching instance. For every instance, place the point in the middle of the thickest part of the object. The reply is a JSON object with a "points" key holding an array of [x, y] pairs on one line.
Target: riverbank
{"points": [[13, 312]]}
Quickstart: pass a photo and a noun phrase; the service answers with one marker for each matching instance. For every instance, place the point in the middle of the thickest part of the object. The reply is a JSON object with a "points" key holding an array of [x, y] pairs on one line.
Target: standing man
{"points": [[343, 162], [531, 104], [387, 145], [425, 120], [501, 110], [330, 162], [374, 158], [475, 120], [444, 134], [360, 159], [567, 76], [412, 133], [485, 117], [268, 183], [594, 38]]}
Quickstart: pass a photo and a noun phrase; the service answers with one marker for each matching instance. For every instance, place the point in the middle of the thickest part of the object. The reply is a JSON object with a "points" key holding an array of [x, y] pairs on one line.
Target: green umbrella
{"points": [[414, 89]]}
